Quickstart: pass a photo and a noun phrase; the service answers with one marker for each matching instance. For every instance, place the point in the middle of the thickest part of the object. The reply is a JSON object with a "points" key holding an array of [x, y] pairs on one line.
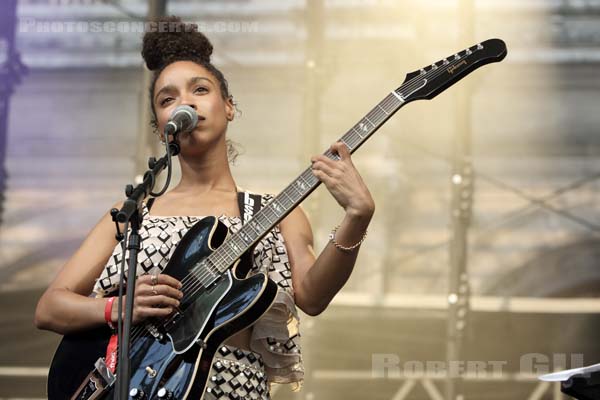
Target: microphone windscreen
{"points": [[185, 117]]}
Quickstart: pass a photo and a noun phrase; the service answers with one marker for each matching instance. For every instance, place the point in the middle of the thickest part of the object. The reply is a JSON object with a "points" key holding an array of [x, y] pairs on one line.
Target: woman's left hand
{"points": [[343, 181]]}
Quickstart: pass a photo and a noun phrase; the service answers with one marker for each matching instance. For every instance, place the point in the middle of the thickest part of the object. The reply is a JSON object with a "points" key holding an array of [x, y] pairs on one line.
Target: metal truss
{"points": [[408, 383]]}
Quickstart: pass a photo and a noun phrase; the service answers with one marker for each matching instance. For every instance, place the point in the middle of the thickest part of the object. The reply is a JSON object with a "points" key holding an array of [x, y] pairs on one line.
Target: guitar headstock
{"points": [[429, 81]]}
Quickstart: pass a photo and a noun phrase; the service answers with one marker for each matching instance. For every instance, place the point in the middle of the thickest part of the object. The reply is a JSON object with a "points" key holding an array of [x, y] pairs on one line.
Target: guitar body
{"points": [[179, 360]]}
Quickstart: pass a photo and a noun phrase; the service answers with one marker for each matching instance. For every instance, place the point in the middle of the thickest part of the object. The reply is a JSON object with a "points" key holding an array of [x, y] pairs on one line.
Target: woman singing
{"points": [[78, 298]]}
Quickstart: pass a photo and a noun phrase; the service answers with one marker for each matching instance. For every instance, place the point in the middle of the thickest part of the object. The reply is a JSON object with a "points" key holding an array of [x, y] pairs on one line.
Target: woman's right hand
{"points": [[155, 296]]}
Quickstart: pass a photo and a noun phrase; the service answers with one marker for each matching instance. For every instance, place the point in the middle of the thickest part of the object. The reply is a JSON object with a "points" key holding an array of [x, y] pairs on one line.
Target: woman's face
{"points": [[188, 83]]}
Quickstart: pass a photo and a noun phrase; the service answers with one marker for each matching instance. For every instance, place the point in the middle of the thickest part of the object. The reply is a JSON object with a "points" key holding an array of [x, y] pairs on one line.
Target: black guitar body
{"points": [[180, 359]]}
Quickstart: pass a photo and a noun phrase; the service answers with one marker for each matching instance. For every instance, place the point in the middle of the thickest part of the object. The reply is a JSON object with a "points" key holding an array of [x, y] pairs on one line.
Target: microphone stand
{"points": [[131, 213]]}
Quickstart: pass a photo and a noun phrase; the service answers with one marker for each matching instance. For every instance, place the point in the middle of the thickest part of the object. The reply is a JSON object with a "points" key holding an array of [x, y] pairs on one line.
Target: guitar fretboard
{"points": [[272, 213], [211, 268]]}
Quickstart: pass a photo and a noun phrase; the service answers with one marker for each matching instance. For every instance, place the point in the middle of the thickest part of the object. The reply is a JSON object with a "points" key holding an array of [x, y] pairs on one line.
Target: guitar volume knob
{"points": [[164, 394], [137, 394]]}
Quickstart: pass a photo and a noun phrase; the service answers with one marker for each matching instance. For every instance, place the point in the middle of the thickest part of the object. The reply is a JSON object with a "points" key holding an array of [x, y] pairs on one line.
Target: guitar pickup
{"points": [[153, 330], [172, 321]]}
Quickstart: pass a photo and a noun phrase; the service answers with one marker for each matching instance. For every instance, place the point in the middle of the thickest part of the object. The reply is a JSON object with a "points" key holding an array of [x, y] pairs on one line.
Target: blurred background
{"points": [[485, 244]]}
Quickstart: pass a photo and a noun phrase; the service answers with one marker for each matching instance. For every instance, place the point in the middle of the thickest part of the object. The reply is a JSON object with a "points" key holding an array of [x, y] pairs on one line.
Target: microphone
{"points": [[183, 119]]}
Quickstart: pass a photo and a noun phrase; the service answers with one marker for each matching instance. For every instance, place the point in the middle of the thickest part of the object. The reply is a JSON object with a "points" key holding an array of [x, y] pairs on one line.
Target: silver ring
{"points": [[154, 280]]}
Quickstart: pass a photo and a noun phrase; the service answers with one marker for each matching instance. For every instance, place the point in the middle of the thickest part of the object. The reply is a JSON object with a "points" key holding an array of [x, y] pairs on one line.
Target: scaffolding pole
{"points": [[461, 209]]}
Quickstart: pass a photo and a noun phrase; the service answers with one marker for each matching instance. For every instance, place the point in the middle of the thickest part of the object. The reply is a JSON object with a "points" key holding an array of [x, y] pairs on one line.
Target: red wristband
{"points": [[108, 312]]}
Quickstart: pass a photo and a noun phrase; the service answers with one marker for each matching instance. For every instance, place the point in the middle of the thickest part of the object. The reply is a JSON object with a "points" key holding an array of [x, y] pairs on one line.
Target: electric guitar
{"points": [[171, 358]]}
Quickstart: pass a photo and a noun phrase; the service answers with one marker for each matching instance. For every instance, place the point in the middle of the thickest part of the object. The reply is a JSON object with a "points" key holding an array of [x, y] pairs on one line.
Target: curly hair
{"points": [[172, 41]]}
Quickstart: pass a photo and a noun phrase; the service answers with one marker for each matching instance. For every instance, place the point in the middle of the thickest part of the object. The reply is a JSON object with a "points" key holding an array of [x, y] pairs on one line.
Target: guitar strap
{"points": [[249, 204]]}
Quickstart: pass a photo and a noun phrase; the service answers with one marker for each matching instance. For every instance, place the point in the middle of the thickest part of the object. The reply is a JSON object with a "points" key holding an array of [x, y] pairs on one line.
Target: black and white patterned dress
{"points": [[275, 355]]}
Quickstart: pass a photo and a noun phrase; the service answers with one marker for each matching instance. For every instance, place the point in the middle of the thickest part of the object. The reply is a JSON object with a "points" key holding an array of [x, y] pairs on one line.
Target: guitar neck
{"points": [[272, 213], [425, 83]]}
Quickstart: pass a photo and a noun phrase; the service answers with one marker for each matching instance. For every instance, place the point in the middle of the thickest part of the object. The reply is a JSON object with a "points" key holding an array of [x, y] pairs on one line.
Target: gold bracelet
{"points": [[343, 248]]}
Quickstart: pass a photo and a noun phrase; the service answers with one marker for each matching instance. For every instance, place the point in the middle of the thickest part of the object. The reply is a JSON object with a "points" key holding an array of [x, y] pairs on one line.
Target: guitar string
{"points": [[192, 283], [195, 282], [416, 82]]}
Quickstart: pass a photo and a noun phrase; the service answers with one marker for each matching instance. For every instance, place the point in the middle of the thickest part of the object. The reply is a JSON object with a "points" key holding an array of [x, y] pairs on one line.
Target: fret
{"points": [[307, 177], [304, 179], [256, 225], [218, 261], [297, 189], [284, 201], [271, 213], [382, 109], [235, 245], [374, 117], [353, 138], [392, 102], [292, 188], [278, 209], [380, 114], [254, 232], [346, 143], [226, 256], [245, 235], [331, 155], [364, 126], [361, 130], [286, 195], [208, 264], [311, 178], [264, 213], [303, 186], [232, 254]]}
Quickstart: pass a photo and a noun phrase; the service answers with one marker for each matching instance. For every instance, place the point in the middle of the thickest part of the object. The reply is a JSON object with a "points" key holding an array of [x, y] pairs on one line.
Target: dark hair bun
{"points": [[173, 40]]}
